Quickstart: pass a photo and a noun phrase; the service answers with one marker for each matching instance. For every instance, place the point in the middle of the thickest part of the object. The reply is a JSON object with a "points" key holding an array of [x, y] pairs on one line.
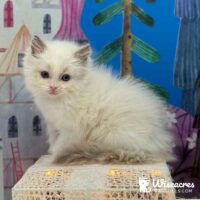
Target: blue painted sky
{"points": [[163, 36]]}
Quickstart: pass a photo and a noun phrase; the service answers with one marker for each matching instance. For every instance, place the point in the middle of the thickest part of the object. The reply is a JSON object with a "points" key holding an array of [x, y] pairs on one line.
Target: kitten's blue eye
{"points": [[65, 77], [44, 74]]}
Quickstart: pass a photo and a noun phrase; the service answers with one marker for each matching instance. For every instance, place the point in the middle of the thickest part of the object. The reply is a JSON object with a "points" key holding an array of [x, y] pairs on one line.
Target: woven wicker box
{"points": [[93, 182]]}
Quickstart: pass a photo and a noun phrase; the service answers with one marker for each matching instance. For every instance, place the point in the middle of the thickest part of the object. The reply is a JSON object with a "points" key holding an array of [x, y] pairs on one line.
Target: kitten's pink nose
{"points": [[53, 89]]}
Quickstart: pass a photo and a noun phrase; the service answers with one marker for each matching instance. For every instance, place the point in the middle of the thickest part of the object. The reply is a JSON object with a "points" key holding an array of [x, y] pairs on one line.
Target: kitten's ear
{"points": [[83, 53], [37, 46]]}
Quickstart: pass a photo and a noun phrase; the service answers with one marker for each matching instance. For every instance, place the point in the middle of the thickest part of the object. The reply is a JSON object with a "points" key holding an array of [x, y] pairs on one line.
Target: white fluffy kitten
{"points": [[91, 115]]}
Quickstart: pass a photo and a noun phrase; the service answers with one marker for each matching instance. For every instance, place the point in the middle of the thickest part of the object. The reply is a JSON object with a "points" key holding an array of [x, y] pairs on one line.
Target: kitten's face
{"points": [[54, 69]]}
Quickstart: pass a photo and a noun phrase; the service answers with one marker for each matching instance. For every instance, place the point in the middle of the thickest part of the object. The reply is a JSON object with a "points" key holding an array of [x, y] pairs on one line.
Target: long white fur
{"points": [[95, 108]]}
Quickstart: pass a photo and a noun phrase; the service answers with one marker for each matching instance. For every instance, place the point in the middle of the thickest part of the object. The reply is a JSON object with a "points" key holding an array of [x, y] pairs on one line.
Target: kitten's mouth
{"points": [[54, 93]]}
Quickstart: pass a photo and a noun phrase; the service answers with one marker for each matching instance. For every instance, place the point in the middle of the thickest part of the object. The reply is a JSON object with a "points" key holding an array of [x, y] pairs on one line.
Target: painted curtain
{"points": [[187, 61], [69, 27]]}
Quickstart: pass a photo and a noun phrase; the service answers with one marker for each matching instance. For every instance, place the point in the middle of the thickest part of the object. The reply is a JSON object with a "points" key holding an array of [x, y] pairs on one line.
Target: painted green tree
{"points": [[128, 41]]}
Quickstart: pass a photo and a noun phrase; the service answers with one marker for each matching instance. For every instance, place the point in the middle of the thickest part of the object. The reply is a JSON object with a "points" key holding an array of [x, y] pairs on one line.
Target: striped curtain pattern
{"points": [[187, 9], [70, 24], [187, 60]]}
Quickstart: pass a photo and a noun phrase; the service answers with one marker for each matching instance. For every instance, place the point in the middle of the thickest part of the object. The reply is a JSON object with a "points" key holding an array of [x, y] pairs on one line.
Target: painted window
{"points": [[20, 59], [8, 14], [12, 127], [37, 128], [47, 24]]}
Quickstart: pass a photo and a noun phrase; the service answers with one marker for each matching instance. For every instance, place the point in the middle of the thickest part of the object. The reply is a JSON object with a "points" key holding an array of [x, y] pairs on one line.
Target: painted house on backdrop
{"points": [[20, 121], [21, 125]]}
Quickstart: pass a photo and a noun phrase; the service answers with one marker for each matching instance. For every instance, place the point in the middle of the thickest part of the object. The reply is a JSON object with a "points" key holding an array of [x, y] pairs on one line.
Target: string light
{"points": [[50, 172]]}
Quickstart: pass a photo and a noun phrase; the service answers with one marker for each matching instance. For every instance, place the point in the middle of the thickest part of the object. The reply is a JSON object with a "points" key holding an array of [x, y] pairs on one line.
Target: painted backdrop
{"points": [[22, 126]]}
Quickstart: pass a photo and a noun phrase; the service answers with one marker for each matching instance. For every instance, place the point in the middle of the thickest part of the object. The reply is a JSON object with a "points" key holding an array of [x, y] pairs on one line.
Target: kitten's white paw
{"points": [[47, 160]]}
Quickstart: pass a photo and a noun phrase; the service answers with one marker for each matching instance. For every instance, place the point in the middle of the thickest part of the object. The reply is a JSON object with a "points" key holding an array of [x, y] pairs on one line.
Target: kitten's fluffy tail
{"points": [[91, 153]]}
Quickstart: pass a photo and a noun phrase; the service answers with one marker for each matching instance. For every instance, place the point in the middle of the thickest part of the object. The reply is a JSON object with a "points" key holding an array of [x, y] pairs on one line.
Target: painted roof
{"points": [[12, 88], [9, 62]]}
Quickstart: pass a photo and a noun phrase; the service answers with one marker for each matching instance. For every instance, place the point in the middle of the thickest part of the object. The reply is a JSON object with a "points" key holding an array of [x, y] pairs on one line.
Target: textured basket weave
{"points": [[91, 182]]}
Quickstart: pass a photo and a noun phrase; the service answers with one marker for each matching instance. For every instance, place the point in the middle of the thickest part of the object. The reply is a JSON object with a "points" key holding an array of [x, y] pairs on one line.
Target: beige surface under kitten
{"points": [[91, 115]]}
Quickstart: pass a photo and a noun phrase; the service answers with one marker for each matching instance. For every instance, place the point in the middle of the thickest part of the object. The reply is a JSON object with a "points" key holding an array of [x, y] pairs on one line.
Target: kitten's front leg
{"points": [[63, 144], [52, 136], [57, 150]]}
